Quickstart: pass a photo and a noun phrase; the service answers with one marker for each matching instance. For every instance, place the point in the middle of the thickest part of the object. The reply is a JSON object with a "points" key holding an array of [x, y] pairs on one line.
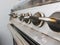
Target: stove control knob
{"points": [[27, 20], [21, 17], [14, 15], [36, 21], [56, 25]]}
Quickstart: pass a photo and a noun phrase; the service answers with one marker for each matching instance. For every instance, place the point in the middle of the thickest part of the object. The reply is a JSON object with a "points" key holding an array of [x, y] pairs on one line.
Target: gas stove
{"points": [[41, 23]]}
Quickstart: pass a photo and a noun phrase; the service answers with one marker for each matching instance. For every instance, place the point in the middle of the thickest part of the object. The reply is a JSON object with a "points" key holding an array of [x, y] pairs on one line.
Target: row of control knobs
{"points": [[38, 19], [28, 18]]}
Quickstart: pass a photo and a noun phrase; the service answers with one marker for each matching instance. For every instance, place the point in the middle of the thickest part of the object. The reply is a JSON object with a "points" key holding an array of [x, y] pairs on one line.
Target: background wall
{"points": [[5, 35]]}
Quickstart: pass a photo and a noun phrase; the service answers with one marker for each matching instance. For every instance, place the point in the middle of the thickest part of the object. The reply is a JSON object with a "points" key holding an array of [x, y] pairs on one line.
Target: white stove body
{"points": [[47, 10]]}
